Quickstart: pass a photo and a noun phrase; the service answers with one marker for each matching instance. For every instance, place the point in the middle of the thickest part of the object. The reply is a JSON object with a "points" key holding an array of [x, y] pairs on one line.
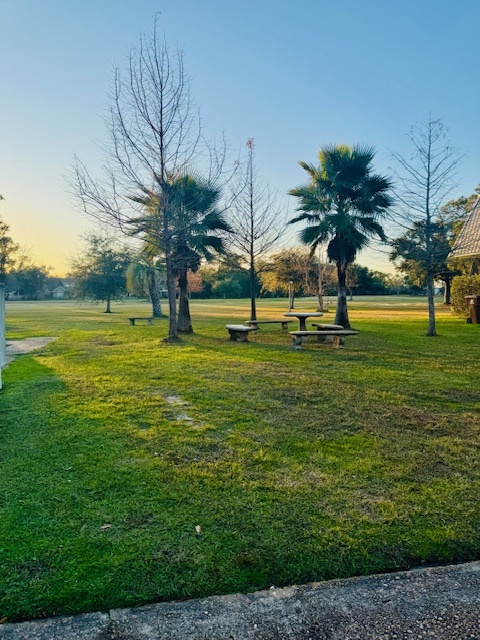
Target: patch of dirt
{"points": [[175, 400], [21, 347]]}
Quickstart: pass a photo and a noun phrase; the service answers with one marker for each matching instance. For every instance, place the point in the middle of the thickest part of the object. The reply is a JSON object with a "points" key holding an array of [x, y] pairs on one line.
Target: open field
{"points": [[297, 465]]}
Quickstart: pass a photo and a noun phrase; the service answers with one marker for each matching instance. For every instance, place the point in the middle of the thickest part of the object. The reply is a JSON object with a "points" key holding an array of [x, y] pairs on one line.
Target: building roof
{"points": [[52, 284], [467, 244]]}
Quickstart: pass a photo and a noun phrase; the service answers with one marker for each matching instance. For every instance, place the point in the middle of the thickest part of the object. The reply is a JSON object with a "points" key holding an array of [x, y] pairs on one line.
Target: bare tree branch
{"points": [[258, 221], [154, 135]]}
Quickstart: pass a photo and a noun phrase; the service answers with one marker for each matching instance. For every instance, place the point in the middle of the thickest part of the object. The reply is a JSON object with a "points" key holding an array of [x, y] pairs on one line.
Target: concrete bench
{"points": [[149, 320], [338, 336], [239, 332], [255, 323], [328, 339]]}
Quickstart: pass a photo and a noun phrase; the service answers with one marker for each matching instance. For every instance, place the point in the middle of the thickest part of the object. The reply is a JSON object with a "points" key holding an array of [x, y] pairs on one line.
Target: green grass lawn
{"points": [[297, 465]]}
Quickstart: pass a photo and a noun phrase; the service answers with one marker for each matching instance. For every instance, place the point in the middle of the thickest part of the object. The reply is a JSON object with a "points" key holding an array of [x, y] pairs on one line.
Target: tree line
{"points": [[106, 270]]}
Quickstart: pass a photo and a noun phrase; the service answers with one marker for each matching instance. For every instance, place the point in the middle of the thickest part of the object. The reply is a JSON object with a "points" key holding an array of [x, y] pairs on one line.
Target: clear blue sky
{"points": [[293, 75]]}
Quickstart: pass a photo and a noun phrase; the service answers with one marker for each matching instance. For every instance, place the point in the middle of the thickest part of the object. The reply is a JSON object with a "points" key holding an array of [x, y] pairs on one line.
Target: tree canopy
{"points": [[99, 274], [196, 229], [7, 249]]}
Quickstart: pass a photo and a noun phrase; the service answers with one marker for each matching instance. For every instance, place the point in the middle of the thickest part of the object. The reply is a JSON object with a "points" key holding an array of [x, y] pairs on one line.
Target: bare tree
{"points": [[258, 221], [425, 180], [154, 135]]}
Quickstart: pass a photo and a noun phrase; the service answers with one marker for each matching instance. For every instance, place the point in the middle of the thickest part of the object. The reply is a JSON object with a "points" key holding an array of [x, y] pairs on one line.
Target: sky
{"points": [[294, 76]]}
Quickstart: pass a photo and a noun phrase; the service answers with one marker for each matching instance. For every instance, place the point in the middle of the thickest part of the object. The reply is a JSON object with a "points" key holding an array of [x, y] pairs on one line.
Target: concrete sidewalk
{"points": [[438, 602]]}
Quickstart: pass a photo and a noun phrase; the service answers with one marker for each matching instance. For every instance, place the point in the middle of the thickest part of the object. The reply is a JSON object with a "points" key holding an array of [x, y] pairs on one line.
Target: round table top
{"points": [[304, 314]]}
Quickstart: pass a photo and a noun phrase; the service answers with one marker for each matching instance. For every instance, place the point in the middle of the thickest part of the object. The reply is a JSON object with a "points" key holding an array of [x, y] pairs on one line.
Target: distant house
{"points": [[58, 288], [467, 244]]}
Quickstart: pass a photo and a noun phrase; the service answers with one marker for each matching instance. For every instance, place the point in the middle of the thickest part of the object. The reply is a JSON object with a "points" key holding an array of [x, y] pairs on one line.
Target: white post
{"points": [[3, 355]]}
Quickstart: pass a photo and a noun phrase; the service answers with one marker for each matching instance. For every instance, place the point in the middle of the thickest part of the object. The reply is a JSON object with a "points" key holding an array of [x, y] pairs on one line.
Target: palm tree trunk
{"points": [[320, 285], [447, 295], [155, 293], [341, 316], [184, 322]]}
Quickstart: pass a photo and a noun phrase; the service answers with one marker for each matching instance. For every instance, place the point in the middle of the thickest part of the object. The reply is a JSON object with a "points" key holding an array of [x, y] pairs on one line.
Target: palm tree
{"points": [[145, 276], [342, 205], [195, 229]]}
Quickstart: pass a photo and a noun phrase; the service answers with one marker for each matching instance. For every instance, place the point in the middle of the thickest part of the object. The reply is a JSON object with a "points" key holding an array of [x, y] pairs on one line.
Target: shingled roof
{"points": [[467, 244]]}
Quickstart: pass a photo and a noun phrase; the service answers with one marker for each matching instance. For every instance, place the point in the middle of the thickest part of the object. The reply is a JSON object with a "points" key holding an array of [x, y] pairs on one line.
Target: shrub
{"points": [[463, 286]]}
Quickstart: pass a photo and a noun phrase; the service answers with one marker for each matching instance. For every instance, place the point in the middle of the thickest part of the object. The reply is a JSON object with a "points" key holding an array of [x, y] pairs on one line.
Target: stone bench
{"points": [[328, 339], [338, 336], [149, 320], [255, 323], [325, 327], [239, 332]]}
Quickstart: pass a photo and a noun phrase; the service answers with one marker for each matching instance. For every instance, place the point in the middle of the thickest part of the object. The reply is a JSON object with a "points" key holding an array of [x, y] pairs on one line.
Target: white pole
{"points": [[3, 355]]}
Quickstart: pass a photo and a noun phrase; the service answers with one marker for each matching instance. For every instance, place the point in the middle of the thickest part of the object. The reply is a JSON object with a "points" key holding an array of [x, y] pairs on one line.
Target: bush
{"points": [[464, 286]]}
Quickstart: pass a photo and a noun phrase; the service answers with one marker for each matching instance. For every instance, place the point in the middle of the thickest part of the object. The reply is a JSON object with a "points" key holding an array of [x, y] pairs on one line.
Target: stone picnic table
{"points": [[302, 317]]}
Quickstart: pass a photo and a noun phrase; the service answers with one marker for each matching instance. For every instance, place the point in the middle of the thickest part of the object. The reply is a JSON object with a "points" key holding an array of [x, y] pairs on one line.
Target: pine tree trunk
{"points": [[172, 301], [253, 305], [155, 293], [341, 316], [431, 331], [428, 246], [184, 322], [171, 282]]}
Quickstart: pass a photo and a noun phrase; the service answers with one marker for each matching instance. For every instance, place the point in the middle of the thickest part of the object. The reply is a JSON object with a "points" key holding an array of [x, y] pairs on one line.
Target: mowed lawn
{"points": [[134, 471]]}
